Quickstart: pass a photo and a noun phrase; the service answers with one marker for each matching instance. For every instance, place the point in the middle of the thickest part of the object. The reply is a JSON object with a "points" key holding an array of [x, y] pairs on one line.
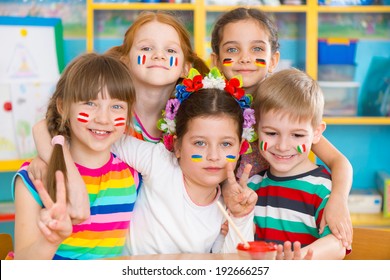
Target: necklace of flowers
{"points": [[195, 82]]}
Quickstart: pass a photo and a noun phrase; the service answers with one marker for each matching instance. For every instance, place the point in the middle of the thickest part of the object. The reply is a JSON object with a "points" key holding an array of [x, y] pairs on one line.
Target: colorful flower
{"points": [[171, 108], [249, 117], [168, 142], [181, 93], [193, 84], [234, 88]]}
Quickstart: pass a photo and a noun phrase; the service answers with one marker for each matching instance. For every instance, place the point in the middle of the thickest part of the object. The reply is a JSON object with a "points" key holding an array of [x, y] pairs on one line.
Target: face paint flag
{"points": [[263, 146], [230, 158], [172, 61], [119, 121], [301, 148], [83, 117], [141, 59], [260, 62], [227, 62], [196, 158]]}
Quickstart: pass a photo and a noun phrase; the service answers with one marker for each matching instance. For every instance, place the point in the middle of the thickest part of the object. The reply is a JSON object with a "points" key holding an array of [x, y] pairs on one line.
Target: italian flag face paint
{"points": [[231, 158], [260, 62], [83, 117], [119, 122], [172, 61], [196, 158], [301, 148], [141, 59], [227, 62], [263, 146]]}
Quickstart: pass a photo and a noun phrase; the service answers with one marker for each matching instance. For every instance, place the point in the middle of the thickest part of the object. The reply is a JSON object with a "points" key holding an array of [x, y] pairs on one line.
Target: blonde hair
{"points": [[190, 56], [82, 80], [292, 92]]}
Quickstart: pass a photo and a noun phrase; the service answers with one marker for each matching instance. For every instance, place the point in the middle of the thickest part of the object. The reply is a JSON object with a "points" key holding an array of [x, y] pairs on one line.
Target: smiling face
{"points": [[206, 148], [96, 125], [156, 56], [285, 143], [246, 53]]}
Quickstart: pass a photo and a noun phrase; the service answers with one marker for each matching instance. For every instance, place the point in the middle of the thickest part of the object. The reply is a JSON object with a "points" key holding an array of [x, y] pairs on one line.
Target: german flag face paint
{"points": [[119, 122], [231, 158], [173, 61], [227, 62], [196, 158], [83, 117], [141, 59], [260, 62], [301, 148], [263, 146]]}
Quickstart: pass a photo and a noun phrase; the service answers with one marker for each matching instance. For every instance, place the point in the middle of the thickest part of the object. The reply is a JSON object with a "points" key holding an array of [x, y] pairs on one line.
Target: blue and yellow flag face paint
{"points": [[231, 158], [196, 158]]}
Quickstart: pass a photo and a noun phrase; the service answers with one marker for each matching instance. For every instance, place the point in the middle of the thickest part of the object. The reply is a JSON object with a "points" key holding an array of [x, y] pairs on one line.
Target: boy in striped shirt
{"points": [[293, 192]]}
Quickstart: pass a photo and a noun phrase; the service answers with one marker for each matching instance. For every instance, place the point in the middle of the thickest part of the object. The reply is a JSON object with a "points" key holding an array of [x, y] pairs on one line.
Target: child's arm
{"points": [[78, 200], [336, 213], [326, 248], [39, 231]]}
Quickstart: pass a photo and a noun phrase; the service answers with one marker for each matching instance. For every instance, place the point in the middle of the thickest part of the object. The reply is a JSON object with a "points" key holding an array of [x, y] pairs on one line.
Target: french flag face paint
{"points": [[141, 59], [227, 62], [173, 61], [263, 146], [260, 62], [196, 158], [83, 117], [301, 148], [119, 122], [231, 158]]}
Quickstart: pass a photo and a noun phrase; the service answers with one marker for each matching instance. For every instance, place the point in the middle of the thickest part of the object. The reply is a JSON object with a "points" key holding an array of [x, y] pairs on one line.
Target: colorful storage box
{"points": [[340, 98], [383, 184], [336, 51], [336, 72], [365, 201]]}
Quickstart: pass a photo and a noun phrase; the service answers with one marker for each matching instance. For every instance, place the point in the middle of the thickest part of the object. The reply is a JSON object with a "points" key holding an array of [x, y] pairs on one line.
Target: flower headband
{"points": [[195, 82]]}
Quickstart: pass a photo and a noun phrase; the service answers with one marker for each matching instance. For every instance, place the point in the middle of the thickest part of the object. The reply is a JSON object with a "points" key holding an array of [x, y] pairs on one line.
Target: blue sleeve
{"points": [[22, 173]]}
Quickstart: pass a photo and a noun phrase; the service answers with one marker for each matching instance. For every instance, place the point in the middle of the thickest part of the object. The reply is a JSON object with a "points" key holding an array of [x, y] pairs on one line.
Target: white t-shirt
{"points": [[165, 220]]}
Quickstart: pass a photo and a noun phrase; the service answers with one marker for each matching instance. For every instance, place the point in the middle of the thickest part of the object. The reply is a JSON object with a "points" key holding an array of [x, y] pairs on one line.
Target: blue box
{"points": [[336, 51]]}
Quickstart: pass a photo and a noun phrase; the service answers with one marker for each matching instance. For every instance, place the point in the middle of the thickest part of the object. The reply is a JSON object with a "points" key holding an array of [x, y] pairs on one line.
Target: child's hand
{"points": [[239, 199], [37, 170], [225, 228], [336, 215], [284, 252], [54, 221]]}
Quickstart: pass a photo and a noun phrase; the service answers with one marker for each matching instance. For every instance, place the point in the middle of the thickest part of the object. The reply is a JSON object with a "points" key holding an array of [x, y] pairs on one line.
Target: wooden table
{"points": [[180, 257]]}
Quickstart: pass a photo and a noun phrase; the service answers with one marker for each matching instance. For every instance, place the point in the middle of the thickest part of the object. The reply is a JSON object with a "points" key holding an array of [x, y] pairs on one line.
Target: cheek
{"points": [[141, 59], [83, 117]]}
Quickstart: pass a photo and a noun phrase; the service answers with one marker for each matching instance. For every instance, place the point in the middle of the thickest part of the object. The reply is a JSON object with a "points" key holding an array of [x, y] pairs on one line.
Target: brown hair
{"points": [[123, 50], [82, 80], [239, 14], [205, 103], [294, 93]]}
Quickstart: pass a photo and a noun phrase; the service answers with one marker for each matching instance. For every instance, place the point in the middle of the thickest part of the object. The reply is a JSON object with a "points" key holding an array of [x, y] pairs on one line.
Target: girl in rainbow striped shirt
{"points": [[89, 110]]}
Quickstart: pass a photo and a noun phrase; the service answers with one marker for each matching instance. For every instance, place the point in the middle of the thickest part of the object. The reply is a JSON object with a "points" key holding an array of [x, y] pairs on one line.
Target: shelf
{"points": [[10, 165], [370, 220], [357, 120], [354, 9], [141, 6]]}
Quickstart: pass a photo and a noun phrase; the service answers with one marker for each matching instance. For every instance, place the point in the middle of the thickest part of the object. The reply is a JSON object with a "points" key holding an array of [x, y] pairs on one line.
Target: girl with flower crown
{"points": [[176, 210]]}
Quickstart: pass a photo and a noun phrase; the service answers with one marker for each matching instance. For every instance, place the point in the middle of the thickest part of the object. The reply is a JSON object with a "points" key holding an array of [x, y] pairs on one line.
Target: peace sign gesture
{"points": [[54, 220], [239, 199]]}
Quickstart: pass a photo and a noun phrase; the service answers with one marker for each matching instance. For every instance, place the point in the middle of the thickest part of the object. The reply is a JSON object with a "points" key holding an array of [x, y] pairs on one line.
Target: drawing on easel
{"points": [[30, 65]]}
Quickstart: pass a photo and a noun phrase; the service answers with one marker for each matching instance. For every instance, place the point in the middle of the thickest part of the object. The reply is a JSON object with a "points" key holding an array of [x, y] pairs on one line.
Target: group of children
{"points": [[135, 196]]}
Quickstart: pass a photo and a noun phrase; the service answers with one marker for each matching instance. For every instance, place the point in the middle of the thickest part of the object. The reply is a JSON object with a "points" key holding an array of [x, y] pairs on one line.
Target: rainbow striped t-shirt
{"points": [[112, 191]]}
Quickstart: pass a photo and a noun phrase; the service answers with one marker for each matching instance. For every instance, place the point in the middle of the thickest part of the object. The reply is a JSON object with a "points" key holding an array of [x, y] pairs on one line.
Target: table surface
{"points": [[181, 257]]}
